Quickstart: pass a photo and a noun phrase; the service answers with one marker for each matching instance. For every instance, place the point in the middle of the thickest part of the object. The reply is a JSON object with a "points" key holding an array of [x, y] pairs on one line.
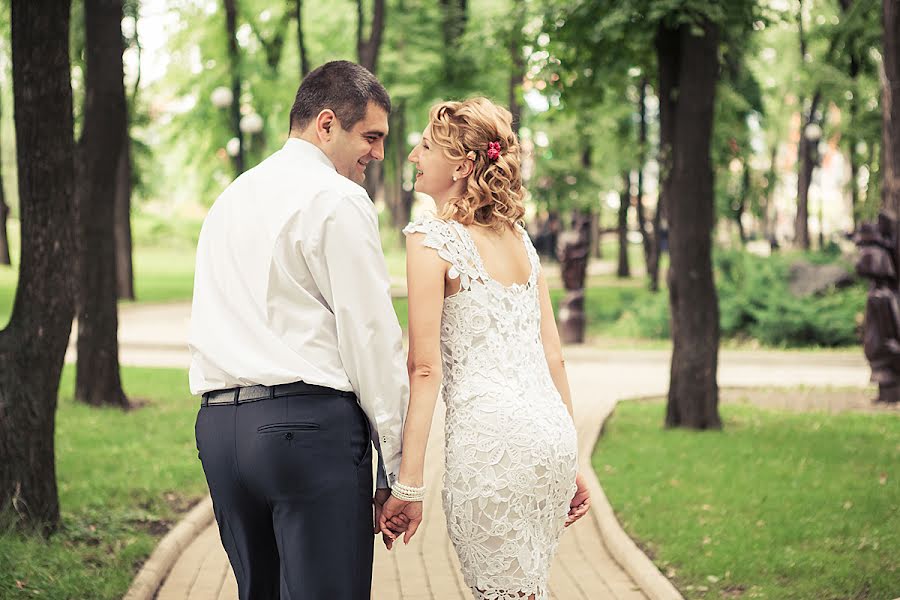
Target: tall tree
{"points": [[649, 244], [33, 345], [102, 142], [688, 70], [4, 214], [456, 15], [623, 269], [368, 46], [890, 103], [301, 44], [122, 214], [367, 50], [234, 58], [517, 70], [806, 148]]}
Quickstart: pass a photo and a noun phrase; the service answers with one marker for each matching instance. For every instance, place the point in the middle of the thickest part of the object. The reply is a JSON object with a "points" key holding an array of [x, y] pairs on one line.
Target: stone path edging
{"points": [[622, 548], [154, 571]]}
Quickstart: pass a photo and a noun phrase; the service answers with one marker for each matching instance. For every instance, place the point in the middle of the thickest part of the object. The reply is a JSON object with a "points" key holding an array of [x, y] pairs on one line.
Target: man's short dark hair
{"points": [[345, 87]]}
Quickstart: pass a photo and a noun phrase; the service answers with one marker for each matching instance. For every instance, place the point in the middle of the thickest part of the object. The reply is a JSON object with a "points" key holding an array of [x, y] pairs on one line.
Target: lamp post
{"points": [[222, 98]]}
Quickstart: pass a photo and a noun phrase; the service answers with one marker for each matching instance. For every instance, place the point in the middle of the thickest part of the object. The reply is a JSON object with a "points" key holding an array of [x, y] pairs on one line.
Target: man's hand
{"points": [[580, 503], [381, 496], [398, 516]]}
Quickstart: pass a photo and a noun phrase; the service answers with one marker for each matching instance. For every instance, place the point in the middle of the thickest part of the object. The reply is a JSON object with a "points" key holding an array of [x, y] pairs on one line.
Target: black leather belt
{"points": [[252, 393]]}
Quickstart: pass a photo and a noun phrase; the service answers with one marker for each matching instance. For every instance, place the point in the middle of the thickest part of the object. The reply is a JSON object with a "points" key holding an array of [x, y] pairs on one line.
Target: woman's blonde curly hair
{"points": [[494, 194]]}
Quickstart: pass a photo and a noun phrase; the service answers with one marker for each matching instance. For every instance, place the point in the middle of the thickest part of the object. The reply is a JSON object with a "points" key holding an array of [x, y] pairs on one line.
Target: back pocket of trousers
{"points": [[287, 427]]}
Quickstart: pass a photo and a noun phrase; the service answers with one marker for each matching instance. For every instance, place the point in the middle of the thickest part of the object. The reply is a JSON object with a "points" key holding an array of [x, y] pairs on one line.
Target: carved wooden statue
{"points": [[573, 248], [881, 329]]}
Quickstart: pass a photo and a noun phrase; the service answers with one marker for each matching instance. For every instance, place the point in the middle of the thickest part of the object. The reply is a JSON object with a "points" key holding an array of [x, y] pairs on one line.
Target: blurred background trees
{"points": [[713, 144]]}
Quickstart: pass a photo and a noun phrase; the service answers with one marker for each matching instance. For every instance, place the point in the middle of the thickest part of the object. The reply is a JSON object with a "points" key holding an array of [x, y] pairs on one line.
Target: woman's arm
{"points": [[581, 502], [552, 345], [425, 272]]}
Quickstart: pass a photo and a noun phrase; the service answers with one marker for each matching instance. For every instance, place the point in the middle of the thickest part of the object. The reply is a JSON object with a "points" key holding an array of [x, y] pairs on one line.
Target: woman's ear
{"points": [[464, 169]]}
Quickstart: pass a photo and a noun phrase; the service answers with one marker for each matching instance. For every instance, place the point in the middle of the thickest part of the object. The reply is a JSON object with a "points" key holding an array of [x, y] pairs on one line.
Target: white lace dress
{"points": [[510, 442]]}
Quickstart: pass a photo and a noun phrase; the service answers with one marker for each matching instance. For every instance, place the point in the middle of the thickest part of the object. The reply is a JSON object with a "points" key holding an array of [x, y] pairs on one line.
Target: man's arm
{"points": [[356, 285]]}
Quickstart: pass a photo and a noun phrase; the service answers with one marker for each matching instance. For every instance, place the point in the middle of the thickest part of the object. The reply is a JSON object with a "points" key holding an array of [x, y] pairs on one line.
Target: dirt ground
{"points": [[806, 399]]}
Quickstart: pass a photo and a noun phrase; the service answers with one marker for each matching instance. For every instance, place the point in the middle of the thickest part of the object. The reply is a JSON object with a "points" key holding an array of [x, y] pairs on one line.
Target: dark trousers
{"points": [[291, 484]]}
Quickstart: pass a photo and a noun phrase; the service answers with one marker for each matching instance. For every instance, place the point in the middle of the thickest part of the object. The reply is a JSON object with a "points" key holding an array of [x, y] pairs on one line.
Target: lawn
{"points": [[124, 479], [778, 505]]}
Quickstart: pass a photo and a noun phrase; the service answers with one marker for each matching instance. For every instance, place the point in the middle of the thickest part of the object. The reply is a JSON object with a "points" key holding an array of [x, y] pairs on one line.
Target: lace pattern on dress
{"points": [[510, 441]]}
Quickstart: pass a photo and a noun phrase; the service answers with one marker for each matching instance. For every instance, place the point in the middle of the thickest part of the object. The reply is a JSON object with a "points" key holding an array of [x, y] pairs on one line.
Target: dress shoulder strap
{"points": [[450, 246]]}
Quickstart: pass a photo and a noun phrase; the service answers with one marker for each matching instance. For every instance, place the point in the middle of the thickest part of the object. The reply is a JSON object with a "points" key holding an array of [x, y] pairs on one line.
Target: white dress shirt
{"points": [[291, 285]]}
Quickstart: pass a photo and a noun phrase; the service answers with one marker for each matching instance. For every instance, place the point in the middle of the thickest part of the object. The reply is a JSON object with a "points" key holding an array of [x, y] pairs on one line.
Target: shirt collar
{"points": [[304, 149]]}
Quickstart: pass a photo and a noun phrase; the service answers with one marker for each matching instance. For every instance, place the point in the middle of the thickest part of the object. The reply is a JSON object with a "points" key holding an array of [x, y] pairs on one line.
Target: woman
{"points": [[481, 323]]}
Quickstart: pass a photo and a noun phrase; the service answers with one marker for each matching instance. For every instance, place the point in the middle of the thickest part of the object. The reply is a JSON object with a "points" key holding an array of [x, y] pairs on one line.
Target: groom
{"points": [[296, 351]]}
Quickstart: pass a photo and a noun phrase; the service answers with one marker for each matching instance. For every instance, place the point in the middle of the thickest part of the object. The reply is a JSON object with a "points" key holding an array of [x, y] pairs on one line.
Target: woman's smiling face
{"points": [[434, 171]]}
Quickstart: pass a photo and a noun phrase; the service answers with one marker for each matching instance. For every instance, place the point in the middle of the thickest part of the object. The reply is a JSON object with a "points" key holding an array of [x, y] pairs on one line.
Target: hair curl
{"points": [[494, 194]]}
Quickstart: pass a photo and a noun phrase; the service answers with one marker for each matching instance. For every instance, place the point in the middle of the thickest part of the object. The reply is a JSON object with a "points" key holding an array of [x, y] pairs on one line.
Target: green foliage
{"points": [[776, 505], [754, 302]]}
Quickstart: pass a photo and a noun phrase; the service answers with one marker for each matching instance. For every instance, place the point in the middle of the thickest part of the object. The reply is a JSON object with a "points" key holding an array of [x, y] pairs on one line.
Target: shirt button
{"points": [[384, 439], [289, 435]]}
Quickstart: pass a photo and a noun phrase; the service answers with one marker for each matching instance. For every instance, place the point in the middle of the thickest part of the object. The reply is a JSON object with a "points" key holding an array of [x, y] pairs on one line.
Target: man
{"points": [[297, 351]]}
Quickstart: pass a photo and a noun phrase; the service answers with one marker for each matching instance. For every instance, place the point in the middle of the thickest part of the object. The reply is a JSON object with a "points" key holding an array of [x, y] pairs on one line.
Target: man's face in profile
{"points": [[351, 151]]}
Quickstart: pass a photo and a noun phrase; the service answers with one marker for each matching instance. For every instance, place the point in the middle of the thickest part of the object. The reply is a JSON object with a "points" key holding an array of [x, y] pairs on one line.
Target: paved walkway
{"points": [[428, 568]]}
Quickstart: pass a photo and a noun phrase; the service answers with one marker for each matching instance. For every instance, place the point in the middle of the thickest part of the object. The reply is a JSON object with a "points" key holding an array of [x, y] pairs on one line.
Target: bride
{"points": [[481, 324]]}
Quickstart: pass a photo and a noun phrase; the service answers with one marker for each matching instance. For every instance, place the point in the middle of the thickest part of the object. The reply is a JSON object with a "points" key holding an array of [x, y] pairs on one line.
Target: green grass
{"points": [[777, 505], [124, 477]]}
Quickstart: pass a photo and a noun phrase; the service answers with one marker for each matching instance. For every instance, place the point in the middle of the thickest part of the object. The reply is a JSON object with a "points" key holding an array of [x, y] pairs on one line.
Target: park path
{"points": [[427, 568]]}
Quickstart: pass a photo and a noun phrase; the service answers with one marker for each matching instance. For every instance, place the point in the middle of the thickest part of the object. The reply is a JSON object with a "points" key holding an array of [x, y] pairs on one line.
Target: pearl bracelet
{"points": [[407, 493]]}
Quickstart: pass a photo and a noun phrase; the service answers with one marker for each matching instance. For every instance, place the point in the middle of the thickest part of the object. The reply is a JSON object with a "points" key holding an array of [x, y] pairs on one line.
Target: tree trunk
{"points": [[517, 74], [667, 46], [806, 162], [402, 200], [890, 103], [33, 345], [102, 143], [367, 49], [852, 140], [301, 45], [771, 182], [688, 71], [455, 16], [742, 203], [642, 160], [234, 58], [122, 227], [624, 201], [4, 214]]}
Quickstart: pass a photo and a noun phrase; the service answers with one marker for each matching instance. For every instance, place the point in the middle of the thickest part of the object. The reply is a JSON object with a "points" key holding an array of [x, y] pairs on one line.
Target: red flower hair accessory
{"points": [[493, 152]]}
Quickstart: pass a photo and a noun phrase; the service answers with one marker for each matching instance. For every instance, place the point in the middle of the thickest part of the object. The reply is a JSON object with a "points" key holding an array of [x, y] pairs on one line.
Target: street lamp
{"points": [[251, 123], [221, 97]]}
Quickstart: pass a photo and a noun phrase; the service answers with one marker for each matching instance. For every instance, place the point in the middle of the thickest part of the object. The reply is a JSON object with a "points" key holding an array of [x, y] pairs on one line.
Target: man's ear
{"points": [[325, 122]]}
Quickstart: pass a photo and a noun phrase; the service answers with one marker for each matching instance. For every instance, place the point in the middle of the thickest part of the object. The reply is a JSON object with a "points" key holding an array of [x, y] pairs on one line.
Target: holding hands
{"points": [[399, 517]]}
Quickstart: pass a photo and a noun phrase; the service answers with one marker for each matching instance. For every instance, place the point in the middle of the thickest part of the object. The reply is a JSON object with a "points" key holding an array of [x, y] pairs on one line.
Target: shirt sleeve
{"points": [[353, 279]]}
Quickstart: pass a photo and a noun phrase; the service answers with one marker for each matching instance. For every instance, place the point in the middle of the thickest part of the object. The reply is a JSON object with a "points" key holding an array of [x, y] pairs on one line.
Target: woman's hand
{"points": [[580, 503]]}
